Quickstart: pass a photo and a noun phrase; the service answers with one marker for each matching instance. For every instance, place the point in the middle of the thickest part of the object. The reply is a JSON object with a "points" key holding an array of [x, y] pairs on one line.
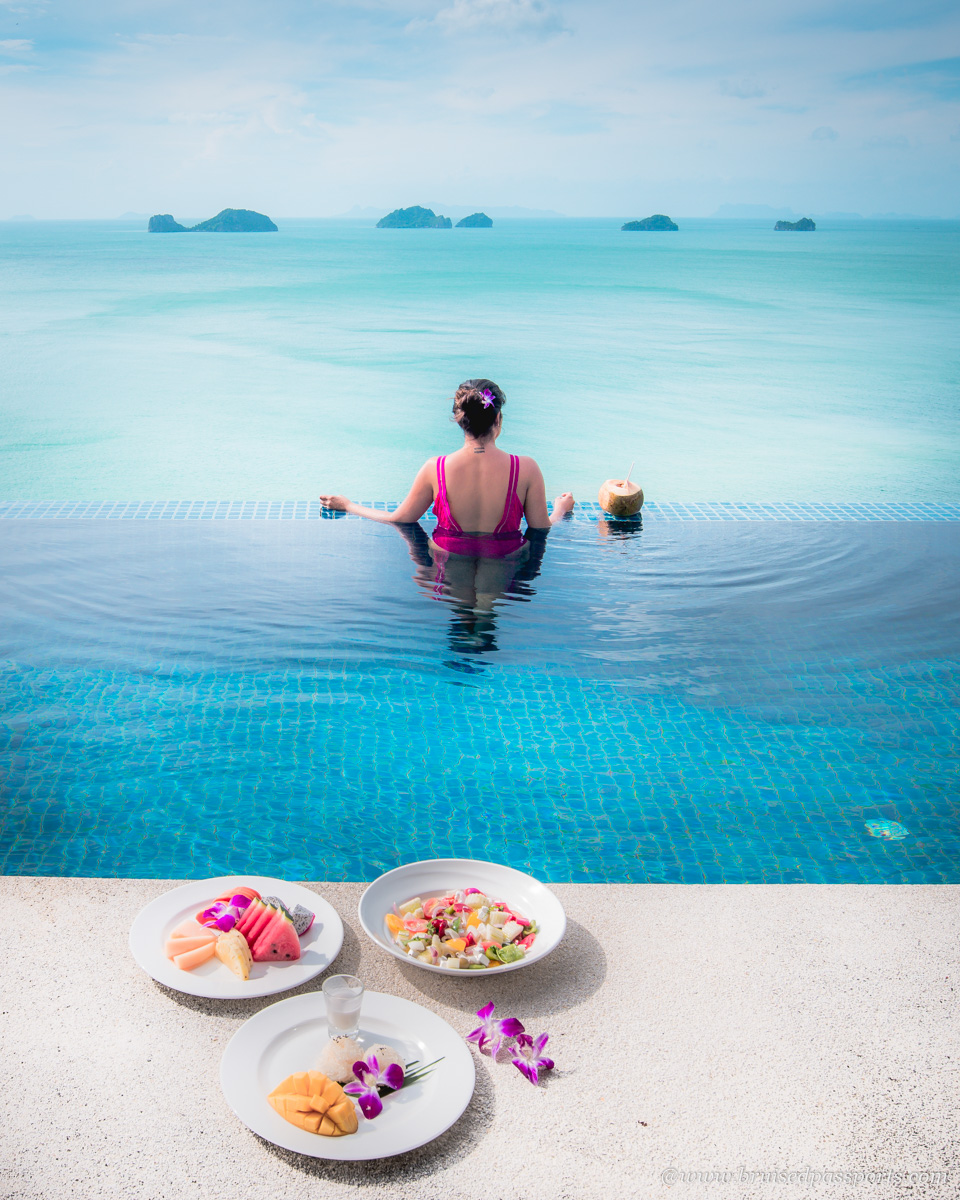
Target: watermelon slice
{"points": [[278, 942], [264, 918], [263, 914], [246, 921]]}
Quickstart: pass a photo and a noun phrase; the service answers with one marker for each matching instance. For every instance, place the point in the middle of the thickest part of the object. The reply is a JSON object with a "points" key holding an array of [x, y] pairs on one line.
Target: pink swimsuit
{"points": [[504, 540]]}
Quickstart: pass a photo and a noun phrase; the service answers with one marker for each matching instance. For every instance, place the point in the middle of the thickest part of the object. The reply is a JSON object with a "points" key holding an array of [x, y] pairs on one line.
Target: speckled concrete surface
{"points": [[695, 1029]]}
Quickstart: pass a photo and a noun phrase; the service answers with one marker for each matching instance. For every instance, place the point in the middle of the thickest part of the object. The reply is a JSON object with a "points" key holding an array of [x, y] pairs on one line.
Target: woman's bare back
{"points": [[477, 486]]}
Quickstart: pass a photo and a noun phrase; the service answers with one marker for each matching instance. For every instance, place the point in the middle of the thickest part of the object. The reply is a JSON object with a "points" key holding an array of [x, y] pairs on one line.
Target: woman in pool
{"points": [[479, 494]]}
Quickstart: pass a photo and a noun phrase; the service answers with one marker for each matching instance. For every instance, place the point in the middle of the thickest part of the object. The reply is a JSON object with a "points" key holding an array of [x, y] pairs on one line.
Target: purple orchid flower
{"points": [[224, 916], [488, 398], [371, 1078], [489, 1034], [528, 1056]]}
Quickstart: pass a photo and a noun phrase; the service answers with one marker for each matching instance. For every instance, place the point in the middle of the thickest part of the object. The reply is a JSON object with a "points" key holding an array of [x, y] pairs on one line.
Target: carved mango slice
{"points": [[315, 1103]]}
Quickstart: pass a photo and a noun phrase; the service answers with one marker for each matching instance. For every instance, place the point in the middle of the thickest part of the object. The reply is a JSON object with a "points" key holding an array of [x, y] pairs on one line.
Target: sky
{"points": [[299, 108]]}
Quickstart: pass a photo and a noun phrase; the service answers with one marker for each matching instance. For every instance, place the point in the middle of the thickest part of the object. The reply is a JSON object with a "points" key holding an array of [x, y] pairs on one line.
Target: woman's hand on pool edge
{"points": [[335, 503], [561, 506]]}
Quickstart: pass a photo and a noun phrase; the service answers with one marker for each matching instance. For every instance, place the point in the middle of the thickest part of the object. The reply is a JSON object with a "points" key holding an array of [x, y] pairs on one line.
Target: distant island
{"points": [[475, 221], [658, 222], [164, 223], [230, 220], [414, 218], [804, 225]]}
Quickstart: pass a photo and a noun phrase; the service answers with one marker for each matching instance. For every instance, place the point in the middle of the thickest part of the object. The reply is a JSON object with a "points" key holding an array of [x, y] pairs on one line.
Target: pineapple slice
{"points": [[234, 952]]}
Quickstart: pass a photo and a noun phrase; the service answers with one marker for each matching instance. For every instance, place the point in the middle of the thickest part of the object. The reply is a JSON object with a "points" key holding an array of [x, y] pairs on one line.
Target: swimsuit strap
{"points": [[505, 520], [441, 505]]}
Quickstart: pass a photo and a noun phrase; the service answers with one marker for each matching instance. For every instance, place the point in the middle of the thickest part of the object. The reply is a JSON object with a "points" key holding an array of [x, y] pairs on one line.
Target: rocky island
{"points": [[657, 223], [414, 218], [230, 220], [475, 221], [804, 225], [164, 223]]}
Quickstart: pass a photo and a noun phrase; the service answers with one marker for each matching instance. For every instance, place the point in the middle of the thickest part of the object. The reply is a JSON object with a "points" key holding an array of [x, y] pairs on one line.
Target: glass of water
{"points": [[344, 996]]}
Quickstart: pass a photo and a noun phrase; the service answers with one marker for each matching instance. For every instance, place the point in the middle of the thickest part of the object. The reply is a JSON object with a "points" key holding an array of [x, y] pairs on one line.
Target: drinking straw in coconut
{"points": [[617, 499]]}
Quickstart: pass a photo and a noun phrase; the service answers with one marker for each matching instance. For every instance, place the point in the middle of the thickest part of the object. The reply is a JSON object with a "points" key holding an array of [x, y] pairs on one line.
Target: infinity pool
{"points": [[676, 703]]}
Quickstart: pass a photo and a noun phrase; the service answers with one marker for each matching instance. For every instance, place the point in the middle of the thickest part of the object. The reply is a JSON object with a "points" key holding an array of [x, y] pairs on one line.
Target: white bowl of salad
{"points": [[462, 917]]}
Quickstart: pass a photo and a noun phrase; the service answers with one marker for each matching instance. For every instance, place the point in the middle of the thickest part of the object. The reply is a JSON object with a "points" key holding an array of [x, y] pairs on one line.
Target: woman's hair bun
{"points": [[477, 405]]}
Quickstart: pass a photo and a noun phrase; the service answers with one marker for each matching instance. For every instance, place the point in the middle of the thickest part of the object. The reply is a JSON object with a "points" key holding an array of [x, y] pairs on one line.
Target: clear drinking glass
{"points": [[344, 996]]}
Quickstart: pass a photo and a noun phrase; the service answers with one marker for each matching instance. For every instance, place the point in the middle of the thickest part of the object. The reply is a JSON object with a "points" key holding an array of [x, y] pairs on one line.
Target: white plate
{"points": [[154, 924], [287, 1037], [439, 877]]}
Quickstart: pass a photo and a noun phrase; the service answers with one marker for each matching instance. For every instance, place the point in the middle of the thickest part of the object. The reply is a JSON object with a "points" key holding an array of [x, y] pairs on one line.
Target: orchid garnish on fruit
{"points": [[490, 1033], [528, 1056], [224, 916], [370, 1080]]}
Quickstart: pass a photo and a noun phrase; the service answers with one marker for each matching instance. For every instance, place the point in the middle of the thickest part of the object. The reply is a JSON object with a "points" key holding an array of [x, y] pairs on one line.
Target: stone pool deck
{"points": [[695, 1029]]}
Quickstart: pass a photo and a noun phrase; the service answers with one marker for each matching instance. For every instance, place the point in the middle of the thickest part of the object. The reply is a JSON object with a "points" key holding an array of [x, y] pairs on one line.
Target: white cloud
{"points": [[16, 47], [498, 16], [310, 109]]}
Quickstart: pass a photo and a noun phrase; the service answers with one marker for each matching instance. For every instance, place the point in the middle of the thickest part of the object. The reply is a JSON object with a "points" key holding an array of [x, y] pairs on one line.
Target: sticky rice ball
{"points": [[337, 1058], [385, 1056]]}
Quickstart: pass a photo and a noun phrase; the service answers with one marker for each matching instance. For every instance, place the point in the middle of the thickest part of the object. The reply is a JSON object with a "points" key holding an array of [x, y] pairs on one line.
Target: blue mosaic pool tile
{"points": [[140, 756], [312, 510]]}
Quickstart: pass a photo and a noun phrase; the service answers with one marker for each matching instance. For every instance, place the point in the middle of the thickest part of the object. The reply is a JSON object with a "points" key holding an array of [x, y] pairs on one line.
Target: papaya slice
{"points": [[249, 892], [194, 958], [181, 945], [191, 928]]}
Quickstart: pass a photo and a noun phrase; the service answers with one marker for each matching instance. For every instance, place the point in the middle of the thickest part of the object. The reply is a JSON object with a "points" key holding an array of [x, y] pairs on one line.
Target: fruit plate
{"points": [[439, 876], [288, 1036], [319, 946]]}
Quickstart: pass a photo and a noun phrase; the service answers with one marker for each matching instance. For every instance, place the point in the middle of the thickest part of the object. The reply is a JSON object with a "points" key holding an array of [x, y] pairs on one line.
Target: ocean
{"points": [[729, 361]]}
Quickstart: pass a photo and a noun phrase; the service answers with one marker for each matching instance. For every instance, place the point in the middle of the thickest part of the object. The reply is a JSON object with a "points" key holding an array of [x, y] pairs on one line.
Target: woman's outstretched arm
{"points": [[535, 502], [418, 500]]}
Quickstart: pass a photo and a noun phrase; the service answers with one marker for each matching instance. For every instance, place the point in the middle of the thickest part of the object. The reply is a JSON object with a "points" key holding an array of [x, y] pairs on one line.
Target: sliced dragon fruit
{"points": [[302, 919]]}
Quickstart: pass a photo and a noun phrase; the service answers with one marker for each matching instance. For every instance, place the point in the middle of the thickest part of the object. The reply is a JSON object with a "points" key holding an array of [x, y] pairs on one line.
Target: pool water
{"points": [[673, 702]]}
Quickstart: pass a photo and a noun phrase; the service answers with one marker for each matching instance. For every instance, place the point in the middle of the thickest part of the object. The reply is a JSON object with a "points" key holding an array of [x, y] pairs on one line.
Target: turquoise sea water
{"points": [[730, 361]]}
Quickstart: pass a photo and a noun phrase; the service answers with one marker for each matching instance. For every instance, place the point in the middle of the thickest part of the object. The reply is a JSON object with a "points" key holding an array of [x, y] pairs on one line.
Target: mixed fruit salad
{"points": [[239, 928], [463, 930]]}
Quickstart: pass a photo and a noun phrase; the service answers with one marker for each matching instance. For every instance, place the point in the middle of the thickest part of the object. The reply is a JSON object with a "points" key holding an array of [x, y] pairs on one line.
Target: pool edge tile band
{"points": [[312, 510]]}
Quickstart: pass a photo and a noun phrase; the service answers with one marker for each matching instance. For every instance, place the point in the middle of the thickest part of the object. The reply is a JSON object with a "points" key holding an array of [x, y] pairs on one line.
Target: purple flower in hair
{"points": [[488, 398]]}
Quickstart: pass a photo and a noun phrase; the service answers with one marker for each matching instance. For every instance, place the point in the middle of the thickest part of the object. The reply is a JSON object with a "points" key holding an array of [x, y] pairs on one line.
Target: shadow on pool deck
{"points": [[568, 977]]}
